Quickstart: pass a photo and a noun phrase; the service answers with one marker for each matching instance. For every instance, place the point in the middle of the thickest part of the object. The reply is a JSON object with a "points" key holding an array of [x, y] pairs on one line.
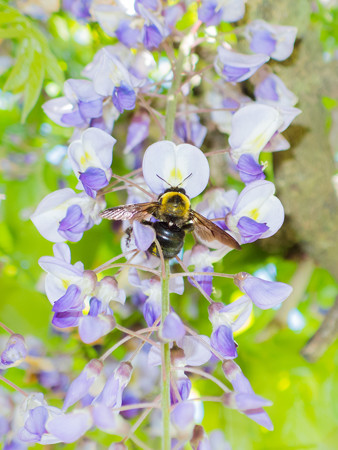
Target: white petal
{"points": [[174, 164]]}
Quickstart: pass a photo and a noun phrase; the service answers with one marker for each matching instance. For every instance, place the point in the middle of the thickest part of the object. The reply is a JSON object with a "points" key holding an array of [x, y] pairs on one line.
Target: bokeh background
{"points": [[33, 163]]}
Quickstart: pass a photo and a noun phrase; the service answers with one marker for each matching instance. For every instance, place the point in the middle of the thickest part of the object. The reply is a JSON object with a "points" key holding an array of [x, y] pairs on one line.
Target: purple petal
{"points": [[261, 417], [232, 73], [250, 229], [70, 427], [263, 42], [36, 421], [236, 377], [222, 340], [183, 386], [144, 235], [92, 109], [237, 66], [265, 294], [152, 37], [124, 97], [92, 328], [138, 131], [80, 386], [104, 418], [205, 281], [208, 14], [249, 169], [66, 319], [183, 414], [69, 300], [73, 225], [15, 351], [74, 119], [173, 328], [151, 311], [92, 180], [127, 35]]}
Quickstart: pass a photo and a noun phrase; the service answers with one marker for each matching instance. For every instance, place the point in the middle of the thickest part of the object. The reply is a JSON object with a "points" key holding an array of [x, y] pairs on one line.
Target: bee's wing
{"points": [[209, 231], [137, 211]]}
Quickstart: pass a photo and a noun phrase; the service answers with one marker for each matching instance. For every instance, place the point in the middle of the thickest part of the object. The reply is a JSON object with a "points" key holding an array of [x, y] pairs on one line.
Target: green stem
{"points": [[170, 112], [166, 444], [169, 134]]}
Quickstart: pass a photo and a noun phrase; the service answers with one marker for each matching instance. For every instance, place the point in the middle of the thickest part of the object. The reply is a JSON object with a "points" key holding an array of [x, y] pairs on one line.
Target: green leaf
{"points": [[12, 32], [34, 84], [20, 71], [53, 70]]}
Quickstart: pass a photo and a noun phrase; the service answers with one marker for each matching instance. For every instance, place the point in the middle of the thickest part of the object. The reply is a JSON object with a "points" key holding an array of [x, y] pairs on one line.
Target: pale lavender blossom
{"points": [[151, 287], [32, 419], [61, 274], [173, 327], [78, 107], [226, 319], [14, 353], [189, 129], [242, 385], [70, 427], [252, 128], [138, 131], [81, 385], [80, 9], [212, 12], [264, 294], [277, 41], [91, 158], [271, 90], [236, 67], [257, 213], [64, 215]]}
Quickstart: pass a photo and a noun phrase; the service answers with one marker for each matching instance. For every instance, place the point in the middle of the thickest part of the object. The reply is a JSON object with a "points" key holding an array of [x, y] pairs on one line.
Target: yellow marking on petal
{"points": [[254, 214], [250, 320], [82, 160], [65, 284], [176, 175]]}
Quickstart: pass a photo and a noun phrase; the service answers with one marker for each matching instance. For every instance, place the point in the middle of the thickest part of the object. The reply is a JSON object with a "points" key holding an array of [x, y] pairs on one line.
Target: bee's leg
{"points": [[128, 232], [188, 227]]}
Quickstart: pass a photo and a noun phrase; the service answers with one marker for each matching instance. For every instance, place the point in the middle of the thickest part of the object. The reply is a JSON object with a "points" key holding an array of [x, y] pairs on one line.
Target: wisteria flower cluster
{"points": [[123, 78]]}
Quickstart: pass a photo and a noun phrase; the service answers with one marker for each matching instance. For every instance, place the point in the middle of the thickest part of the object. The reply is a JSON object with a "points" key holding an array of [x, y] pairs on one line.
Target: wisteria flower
{"points": [[166, 164], [91, 158], [277, 41], [264, 294], [236, 67], [257, 213], [225, 320], [80, 104], [244, 403], [212, 12], [271, 90], [64, 215], [252, 128], [14, 353]]}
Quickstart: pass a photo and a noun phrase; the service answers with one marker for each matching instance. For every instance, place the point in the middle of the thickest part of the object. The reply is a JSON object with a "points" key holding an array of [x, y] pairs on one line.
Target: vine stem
{"points": [[170, 115], [165, 394]]}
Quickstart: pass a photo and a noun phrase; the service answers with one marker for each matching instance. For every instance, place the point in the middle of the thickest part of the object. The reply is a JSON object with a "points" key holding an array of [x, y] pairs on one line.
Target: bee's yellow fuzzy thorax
{"points": [[175, 204]]}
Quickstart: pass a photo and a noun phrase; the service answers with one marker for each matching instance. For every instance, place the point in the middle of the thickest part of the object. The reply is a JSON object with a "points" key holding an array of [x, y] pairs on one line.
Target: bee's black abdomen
{"points": [[171, 239]]}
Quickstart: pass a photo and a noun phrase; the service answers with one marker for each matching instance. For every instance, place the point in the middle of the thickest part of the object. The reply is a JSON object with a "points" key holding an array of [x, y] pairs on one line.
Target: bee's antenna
{"points": [[184, 180], [163, 180]]}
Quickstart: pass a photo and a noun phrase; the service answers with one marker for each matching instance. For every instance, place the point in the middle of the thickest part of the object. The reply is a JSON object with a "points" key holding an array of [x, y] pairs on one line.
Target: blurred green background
{"points": [[33, 163]]}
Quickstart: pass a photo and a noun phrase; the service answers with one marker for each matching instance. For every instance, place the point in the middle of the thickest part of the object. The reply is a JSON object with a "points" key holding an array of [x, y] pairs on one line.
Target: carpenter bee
{"points": [[174, 217]]}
